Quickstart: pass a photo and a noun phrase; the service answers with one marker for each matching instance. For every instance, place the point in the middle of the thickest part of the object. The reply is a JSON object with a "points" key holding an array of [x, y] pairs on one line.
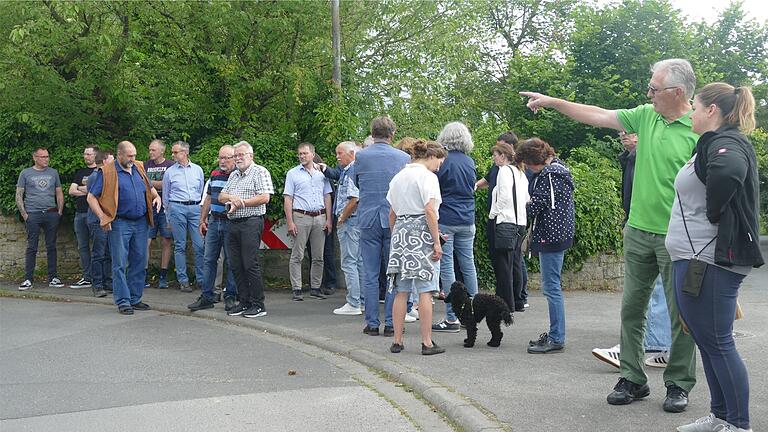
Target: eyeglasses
{"points": [[225, 157], [241, 155], [654, 90]]}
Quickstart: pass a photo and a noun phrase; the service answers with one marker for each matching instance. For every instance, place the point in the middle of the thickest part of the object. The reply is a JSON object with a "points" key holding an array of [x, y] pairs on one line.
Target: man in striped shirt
{"points": [[214, 229]]}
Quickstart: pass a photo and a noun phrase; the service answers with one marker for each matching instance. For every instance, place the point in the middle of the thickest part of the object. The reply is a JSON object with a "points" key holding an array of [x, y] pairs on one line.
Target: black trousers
{"points": [[48, 222], [243, 250], [507, 266]]}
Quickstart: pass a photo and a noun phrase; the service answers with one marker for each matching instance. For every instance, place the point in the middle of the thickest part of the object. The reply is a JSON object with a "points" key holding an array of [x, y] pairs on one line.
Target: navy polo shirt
{"points": [[131, 200], [457, 186]]}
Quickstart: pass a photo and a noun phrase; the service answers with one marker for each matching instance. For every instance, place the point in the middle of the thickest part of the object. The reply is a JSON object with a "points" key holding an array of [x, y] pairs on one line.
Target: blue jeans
{"points": [[658, 333], [710, 320], [215, 241], [128, 247], [351, 264], [186, 219], [374, 244], [551, 267], [460, 242], [101, 262], [83, 234]]}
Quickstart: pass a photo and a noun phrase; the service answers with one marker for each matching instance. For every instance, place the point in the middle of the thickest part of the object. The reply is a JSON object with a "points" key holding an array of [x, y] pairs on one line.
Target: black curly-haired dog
{"points": [[472, 310]]}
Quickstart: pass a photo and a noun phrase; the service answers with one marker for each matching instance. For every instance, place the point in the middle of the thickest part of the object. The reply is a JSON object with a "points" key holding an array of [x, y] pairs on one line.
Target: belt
{"points": [[51, 210], [186, 202], [310, 213], [221, 216], [243, 219]]}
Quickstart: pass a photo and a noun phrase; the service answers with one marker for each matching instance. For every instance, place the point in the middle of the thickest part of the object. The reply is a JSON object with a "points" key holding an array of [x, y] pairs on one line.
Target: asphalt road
{"points": [[79, 367]]}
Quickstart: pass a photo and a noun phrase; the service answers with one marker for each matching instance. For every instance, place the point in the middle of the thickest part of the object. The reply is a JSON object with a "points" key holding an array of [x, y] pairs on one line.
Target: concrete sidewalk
{"points": [[503, 388]]}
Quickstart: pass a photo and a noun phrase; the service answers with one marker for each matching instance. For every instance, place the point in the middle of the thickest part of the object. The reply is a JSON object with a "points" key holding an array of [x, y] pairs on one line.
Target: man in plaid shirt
{"points": [[245, 197]]}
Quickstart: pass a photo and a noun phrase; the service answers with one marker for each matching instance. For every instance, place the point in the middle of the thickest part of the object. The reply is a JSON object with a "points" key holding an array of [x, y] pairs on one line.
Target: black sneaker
{"points": [[316, 294], [55, 283], [328, 291], [389, 331], [141, 306], [432, 350], [546, 347], [446, 327], [82, 283], [371, 331], [255, 312], [185, 287], [297, 296], [229, 303], [27, 284], [542, 337], [201, 303], [626, 391], [99, 292], [125, 310], [676, 400], [396, 348], [238, 309]]}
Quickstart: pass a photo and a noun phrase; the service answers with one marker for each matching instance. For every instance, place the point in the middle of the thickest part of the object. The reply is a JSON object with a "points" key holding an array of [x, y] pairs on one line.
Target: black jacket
{"points": [[726, 163], [627, 162]]}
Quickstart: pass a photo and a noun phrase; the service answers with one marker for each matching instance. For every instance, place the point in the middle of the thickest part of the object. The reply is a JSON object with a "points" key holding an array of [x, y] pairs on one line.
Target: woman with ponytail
{"points": [[713, 241]]}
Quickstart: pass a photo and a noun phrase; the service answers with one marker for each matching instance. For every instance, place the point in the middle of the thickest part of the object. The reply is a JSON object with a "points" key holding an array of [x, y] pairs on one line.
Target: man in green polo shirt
{"points": [[665, 144]]}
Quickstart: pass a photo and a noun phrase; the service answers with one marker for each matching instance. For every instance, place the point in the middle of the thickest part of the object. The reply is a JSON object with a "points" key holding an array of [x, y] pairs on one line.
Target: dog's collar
{"points": [[471, 308]]}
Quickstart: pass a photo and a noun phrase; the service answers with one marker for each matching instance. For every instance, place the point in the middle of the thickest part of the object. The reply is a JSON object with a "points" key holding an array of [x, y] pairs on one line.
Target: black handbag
{"points": [[507, 235]]}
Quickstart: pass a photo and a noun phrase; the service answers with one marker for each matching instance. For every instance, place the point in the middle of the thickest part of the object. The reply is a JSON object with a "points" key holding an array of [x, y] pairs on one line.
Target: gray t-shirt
{"points": [[39, 188], [693, 196]]}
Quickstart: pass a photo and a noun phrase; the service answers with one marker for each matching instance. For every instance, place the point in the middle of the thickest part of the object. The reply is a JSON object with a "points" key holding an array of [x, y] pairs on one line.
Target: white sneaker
{"points": [[414, 313], [347, 309], [610, 355], [704, 424], [526, 305], [56, 283], [410, 318], [82, 283], [658, 360], [27, 284]]}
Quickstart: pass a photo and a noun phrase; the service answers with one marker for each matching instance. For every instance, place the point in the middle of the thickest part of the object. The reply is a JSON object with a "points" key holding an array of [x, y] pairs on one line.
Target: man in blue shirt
{"points": [[182, 190], [374, 168], [122, 198], [307, 206]]}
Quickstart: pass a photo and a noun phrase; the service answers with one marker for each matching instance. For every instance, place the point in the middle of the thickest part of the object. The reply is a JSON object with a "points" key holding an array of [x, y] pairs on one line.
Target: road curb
{"points": [[455, 406]]}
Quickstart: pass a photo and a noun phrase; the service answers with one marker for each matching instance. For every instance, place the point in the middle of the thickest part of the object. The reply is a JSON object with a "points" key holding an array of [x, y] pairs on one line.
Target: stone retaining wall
{"points": [[604, 272]]}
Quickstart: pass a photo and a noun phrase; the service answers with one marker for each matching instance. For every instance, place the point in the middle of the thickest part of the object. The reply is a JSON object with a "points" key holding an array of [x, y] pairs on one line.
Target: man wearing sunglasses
{"points": [[665, 143]]}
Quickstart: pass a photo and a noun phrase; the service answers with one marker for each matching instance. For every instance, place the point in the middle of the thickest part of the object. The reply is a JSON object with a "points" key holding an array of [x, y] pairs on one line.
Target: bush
{"points": [[759, 139], [597, 200]]}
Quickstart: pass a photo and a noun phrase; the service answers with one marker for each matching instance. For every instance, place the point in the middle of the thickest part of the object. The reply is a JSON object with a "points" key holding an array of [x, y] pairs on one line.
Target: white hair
{"points": [[367, 141], [679, 74], [348, 146], [456, 136], [244, 144]]}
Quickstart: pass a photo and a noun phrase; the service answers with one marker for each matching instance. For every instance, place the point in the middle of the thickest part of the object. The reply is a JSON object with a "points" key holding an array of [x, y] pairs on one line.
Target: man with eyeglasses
{"points": [[40, 201], [665, 143], [182, 191], [214, 226], [245, 197]]}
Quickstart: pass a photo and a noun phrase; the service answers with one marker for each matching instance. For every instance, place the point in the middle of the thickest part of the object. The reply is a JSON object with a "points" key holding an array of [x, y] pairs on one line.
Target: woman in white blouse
{"points": [[508, 206], [414, 196]]}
